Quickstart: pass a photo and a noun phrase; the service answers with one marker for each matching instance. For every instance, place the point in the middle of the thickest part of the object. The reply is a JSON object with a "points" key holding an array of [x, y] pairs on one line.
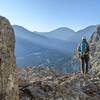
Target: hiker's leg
{"points": [[82, 65], [86, 62]]}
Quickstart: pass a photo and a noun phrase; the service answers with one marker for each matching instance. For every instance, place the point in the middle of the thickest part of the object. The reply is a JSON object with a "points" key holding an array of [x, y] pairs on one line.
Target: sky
{"points": [[47, 15]]}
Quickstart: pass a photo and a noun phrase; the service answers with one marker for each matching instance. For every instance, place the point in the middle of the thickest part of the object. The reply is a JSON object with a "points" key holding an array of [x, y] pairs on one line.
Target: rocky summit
{"points": [[47, 84], [8, 80]]}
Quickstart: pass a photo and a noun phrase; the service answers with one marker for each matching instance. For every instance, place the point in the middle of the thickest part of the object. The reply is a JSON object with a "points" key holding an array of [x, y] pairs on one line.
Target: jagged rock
{"points": [[95, 42], [96, 35], [73, 86], [8, 79]]}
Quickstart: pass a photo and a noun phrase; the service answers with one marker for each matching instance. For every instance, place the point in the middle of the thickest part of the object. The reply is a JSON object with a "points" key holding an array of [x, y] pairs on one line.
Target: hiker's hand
{"points": [[87, 53], [79, 55]]}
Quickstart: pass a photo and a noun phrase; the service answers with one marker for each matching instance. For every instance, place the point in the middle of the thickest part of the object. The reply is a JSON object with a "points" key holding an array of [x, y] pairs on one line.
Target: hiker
{"points": [[83, 50]]}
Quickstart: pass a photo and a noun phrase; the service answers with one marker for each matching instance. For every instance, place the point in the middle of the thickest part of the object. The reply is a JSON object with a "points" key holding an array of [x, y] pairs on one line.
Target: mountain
{"points": [[84, 32], [69, 35], [62, 33], [31, 54], [41, 40], [36, 50]]}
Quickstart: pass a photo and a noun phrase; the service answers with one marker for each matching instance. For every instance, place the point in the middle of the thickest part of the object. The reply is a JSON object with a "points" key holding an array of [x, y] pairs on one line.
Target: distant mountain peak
{"points": [[88, 27], [62, 33], [63, 29], [20, 28]]}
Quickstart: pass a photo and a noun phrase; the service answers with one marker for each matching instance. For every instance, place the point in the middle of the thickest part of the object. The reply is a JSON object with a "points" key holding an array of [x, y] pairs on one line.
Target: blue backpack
{"points": [[83, 47]]}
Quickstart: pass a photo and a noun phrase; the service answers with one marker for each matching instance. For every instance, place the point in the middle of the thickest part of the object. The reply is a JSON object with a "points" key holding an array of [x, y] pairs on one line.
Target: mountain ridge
{"points": [[55, 28], [64, 33], [28, 43], [51, 49]]}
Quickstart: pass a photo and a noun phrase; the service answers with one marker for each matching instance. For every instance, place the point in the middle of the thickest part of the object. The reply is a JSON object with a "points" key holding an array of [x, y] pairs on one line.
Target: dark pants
{"points": [[0, 61], [84, 64]]}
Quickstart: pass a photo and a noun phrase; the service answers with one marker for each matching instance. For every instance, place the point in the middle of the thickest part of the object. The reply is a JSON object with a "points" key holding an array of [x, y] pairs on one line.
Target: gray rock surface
{"points": [[8, 80], [49, 85]]}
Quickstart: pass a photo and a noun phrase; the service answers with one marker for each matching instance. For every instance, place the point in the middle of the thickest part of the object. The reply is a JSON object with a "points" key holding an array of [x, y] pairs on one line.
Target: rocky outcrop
{"points": [[8, 80], [47, 84], [95, 44], [95, 38]]}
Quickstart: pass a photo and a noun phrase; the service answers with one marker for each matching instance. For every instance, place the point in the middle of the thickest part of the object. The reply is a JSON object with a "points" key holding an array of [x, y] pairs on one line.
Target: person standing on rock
{"points": [[83, 50]]}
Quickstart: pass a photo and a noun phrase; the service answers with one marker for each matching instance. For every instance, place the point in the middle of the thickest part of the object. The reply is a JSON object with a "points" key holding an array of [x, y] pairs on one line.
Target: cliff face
{"points": [[8, 81], [95, 45]]}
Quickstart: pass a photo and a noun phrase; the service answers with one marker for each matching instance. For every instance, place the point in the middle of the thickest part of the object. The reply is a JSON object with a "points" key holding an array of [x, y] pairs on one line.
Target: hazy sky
{"points": [[46, 15]]}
